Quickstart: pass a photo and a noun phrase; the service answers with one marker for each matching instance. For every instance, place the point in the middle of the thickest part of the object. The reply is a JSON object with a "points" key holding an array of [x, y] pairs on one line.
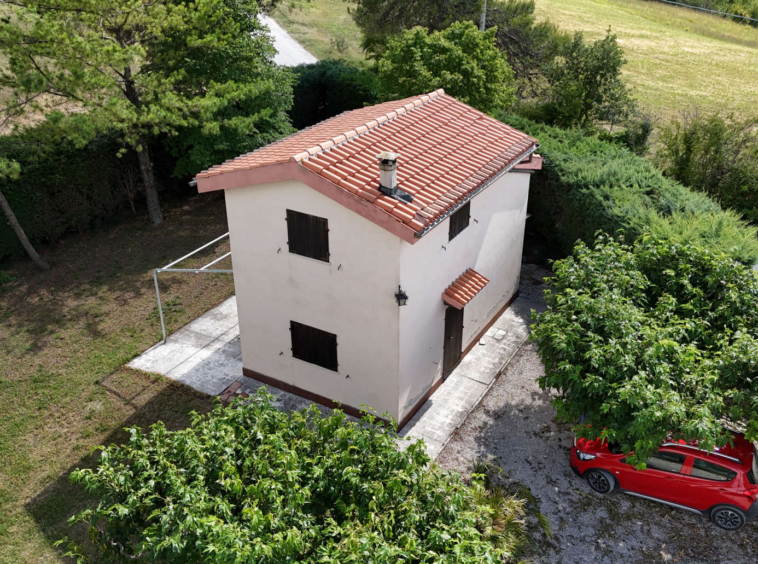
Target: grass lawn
{"points": [[678, 58], [64, 338]]}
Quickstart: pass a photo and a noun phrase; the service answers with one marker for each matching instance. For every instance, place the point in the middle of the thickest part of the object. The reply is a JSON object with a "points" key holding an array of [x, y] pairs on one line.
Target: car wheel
{"points": [[600, 481], [728, 517]]}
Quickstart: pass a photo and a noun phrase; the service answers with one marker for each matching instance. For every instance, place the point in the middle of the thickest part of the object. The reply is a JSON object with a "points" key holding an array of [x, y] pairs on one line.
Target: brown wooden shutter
{"points": [[459, 220], [314, 345], [308, 235]]}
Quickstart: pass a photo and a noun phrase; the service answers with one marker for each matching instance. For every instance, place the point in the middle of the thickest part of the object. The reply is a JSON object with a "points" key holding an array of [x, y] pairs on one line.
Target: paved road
{"points": [[289, 53]]}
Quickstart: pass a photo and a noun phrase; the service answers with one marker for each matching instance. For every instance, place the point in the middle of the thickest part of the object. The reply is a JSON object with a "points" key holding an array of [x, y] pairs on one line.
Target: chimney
{"points": [[388, 177]]}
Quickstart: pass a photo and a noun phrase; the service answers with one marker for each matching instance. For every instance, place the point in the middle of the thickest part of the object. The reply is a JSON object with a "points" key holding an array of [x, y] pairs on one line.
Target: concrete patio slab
{"points": [[206, 355]]}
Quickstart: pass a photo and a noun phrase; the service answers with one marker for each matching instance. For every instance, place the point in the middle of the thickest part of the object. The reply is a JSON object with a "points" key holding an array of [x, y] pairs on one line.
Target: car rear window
{"points": [[711, 471], [752, 476], [666, 461]]}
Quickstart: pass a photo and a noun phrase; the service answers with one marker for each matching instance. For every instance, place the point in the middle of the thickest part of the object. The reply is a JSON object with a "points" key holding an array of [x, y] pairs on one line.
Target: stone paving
{"points": [[206, 355], [461, 392]]}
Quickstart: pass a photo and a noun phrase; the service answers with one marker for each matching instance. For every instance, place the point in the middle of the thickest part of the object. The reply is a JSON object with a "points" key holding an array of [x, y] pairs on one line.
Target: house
{"points": [[372, 250]]}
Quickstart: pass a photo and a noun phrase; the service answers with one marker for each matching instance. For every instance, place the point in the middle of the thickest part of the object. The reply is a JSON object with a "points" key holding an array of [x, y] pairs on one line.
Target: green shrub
{"points": [[716, 155], [61, 188], [249, 483], [460, 59], [589, 185], [651, 339], [329, 87]]}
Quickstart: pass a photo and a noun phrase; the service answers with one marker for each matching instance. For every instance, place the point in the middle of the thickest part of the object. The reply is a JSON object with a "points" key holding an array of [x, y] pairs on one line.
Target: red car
{"points": [[722, 484]]}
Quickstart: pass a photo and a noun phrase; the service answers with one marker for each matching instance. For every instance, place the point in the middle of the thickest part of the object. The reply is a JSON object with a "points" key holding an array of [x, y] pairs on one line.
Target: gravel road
{"points": [[515, 425]]}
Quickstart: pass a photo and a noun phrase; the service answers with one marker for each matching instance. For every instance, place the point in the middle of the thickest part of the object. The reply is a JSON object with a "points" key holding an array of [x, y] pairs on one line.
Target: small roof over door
{"points": [[464, 288]]}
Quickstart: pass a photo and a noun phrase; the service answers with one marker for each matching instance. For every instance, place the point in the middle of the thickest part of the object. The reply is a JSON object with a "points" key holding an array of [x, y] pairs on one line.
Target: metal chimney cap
{"points": [[388, 156]]}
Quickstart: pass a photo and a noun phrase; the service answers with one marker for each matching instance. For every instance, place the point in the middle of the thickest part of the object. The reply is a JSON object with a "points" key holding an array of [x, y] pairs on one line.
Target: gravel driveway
{"points": [[515, 425]]}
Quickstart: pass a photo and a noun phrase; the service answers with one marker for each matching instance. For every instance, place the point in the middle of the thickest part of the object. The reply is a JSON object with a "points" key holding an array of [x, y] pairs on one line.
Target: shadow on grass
{"points": [[55, 504], [101, 273]]}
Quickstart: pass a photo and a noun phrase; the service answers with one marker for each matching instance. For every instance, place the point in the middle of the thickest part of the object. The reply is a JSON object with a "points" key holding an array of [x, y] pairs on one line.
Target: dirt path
{"points": [[515, 425]]}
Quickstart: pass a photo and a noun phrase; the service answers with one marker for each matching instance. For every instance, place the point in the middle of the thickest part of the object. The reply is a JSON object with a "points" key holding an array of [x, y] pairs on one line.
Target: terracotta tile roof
{"points": [[448, 150], [465, 287]]}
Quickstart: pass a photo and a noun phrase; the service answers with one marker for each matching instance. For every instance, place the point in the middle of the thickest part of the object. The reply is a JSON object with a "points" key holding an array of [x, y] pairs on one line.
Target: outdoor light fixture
{"points": [[401, 297]]}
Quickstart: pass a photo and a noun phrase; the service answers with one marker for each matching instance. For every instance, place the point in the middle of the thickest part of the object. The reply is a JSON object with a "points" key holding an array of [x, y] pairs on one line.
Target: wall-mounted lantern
{"points": [[401, 297]]}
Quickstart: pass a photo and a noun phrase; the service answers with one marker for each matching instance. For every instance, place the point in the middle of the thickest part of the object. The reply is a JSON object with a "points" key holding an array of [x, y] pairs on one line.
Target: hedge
{"points": [[327, 88], [63, 188], [589, 185]]}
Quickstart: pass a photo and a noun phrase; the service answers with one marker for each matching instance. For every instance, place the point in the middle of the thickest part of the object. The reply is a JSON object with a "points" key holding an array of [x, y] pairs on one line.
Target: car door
{"points": [[705, 483], [660, 480]]}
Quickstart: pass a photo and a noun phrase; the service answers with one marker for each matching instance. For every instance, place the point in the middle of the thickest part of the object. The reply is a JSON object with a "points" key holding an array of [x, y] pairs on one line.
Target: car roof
{"points": [[739, 453]]}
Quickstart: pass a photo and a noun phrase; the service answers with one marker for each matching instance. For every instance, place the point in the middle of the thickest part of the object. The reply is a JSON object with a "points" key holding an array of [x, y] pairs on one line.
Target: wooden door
{"points": [[453, 340]]}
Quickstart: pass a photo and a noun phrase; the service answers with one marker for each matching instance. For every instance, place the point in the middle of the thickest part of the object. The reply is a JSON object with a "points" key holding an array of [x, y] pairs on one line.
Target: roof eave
{"points": [[293, 170]]}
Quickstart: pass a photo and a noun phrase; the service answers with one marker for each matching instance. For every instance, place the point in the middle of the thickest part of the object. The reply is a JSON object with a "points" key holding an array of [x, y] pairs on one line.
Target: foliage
{"points": [[652, 339], [327, 88], [528, 43], [9, 169], [142, 68], [716, 155], [635, 134], [588, 184], [59, 187], [460, 59], [381, 20], [249, 483], [585, 84]]}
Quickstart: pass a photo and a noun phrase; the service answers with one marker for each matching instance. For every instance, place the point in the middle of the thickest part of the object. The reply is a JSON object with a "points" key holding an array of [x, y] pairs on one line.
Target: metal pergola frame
{"points": [[203, 269]]}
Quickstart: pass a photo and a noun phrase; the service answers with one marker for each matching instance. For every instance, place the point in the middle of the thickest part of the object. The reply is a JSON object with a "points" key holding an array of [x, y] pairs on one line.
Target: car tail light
{"points": [[752, 494]]}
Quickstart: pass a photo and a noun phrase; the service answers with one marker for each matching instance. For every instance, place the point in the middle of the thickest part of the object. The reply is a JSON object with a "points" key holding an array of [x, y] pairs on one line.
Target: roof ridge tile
{"points": [[377, 121]]}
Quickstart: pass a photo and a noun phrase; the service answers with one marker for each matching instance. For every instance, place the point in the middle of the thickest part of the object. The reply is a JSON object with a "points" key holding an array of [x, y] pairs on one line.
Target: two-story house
{"points": [[372, 250]]}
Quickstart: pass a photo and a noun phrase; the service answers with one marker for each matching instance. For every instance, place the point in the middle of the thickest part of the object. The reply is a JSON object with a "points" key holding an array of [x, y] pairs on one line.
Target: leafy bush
{"points": [[249, 483], [651, 339], [585, 84], [380, 20], [589, 185], [460, 59], [716, 155], [328, 88]]}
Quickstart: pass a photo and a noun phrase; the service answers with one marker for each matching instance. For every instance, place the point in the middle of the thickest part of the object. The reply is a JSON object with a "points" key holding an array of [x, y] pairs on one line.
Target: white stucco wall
{"points": [[492, 245], [352, 296]]}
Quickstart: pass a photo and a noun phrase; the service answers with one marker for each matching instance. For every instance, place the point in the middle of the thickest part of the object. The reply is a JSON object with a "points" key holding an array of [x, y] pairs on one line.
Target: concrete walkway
{"points": [[289, 53], [462, 391], [206, 354]]}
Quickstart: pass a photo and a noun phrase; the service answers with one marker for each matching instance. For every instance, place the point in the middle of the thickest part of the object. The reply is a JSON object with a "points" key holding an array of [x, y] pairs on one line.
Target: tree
{"points": [[714, 154], [144, 68], [330, 87], [381, 20], [460, 59], [529, 44], [249, 483], [586, 85], [651, 341], [10, 169]]}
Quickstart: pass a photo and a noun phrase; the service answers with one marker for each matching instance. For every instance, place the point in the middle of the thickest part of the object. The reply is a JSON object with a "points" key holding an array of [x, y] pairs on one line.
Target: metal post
{"points": [[160, 307], [483, 18]]}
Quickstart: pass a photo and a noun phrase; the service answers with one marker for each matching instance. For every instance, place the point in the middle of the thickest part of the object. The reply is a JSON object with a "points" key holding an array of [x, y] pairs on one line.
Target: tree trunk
{"points": [[21, 235], [151, 191]]}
